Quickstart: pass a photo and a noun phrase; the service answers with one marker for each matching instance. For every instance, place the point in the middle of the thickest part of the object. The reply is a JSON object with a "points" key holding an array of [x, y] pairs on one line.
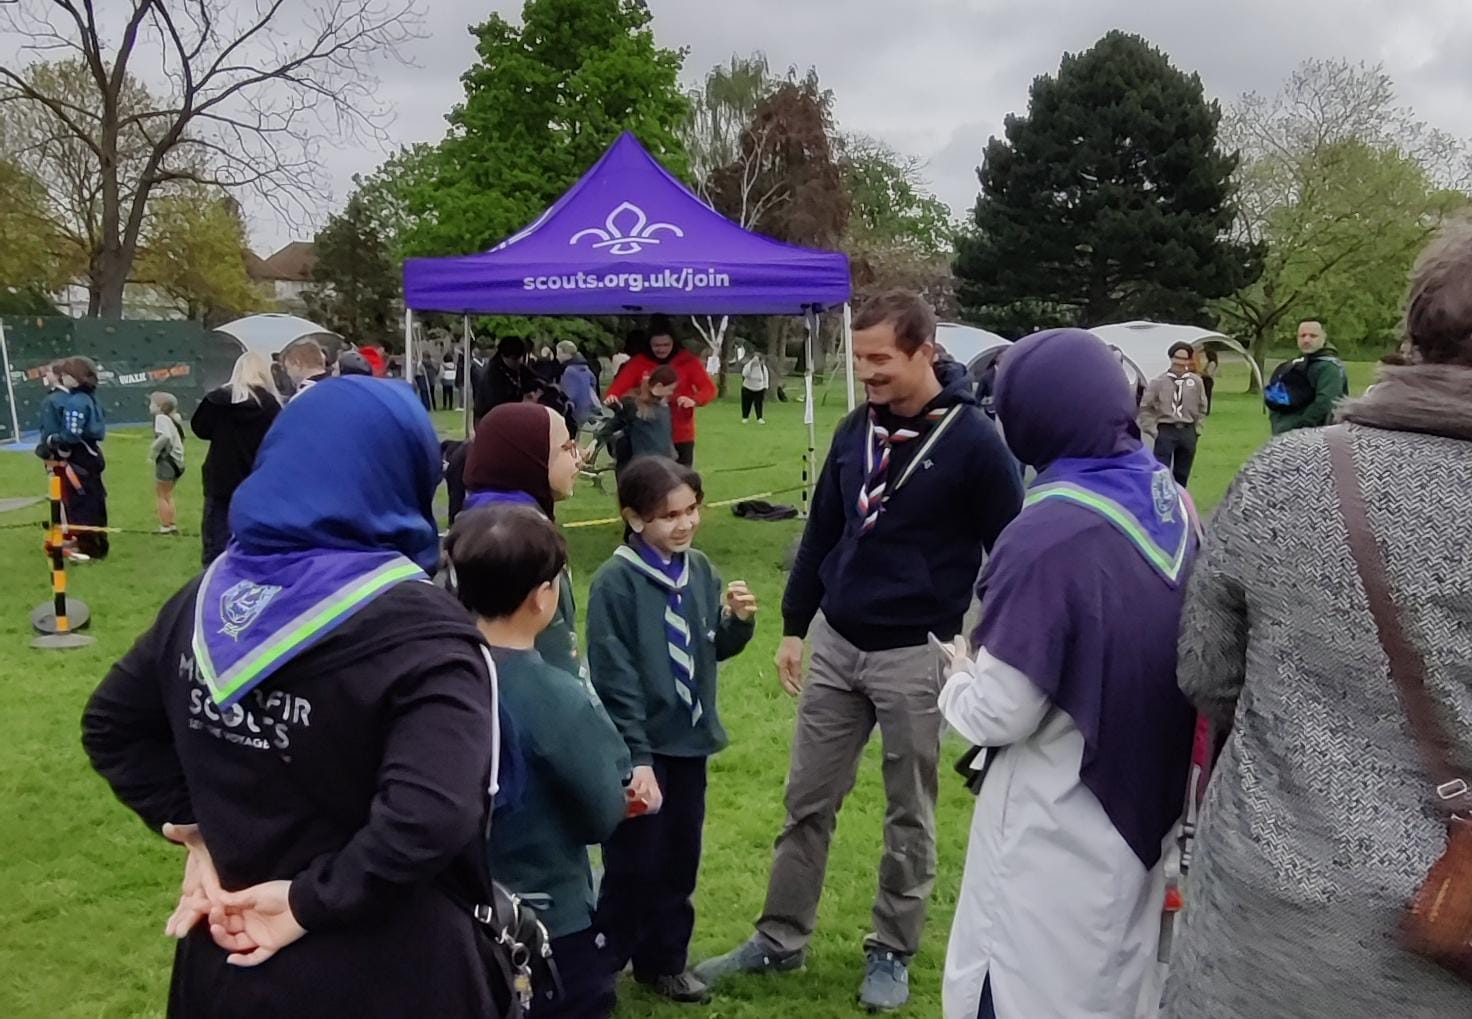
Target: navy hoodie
{"points": [[913, 573]]}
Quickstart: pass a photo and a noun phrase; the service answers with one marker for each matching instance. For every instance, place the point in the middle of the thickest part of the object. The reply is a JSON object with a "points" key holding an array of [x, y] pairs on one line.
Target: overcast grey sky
{"points": [[934, 78]]}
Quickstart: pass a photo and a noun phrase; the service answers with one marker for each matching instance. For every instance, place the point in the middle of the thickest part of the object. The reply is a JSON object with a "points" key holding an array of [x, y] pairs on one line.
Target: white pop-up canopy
{"points": [[1147, 345], [975, 348]]}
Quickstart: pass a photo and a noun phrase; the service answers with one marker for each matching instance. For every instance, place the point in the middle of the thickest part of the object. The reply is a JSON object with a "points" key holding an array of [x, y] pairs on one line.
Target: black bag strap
{"points": [[1407, 666]]}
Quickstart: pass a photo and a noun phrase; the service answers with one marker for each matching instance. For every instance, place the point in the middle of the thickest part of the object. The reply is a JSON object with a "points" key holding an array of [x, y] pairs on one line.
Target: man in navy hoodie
{"points": [[917, 485]]}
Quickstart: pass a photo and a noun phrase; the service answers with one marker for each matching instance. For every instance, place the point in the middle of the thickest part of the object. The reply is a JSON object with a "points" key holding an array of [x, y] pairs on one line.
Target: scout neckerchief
{"points": [[255, 613], [672, 576], [1134, 493], [878, 442]]}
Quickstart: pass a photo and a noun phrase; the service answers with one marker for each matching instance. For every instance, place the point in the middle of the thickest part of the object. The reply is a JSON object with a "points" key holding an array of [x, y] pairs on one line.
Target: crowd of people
{"points": [[362, 734]]}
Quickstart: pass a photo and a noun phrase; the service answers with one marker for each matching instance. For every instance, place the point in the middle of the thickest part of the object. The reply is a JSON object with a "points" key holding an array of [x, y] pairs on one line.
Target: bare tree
{"points": [[1307, 193], [253, 89], [721, 111]]}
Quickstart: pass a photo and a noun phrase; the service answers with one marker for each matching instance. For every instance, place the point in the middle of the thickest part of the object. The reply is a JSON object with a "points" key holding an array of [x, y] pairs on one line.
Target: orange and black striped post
{"points": [[57, 545], [60, 633]]}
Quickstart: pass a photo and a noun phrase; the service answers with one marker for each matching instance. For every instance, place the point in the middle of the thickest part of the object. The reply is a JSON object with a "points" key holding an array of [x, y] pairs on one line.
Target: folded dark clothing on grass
{"points": [[758, 509]]}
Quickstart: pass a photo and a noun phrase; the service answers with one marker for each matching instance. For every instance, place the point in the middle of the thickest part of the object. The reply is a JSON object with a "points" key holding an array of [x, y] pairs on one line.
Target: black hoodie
{"points": [[235, 432], [358, 772], [914, 572]]}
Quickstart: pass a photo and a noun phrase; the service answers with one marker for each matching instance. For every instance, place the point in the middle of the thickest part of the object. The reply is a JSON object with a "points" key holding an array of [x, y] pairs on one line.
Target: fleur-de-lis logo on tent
{"points": [[630, 241]]}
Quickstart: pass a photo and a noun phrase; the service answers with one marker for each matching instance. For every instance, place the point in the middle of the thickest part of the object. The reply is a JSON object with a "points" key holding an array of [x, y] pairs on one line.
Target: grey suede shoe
{"points": [[886, 984], [749, 957]]}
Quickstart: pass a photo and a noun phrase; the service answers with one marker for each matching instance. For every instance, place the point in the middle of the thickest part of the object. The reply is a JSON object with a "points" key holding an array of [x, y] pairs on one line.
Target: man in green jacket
{"points": [[1305, 390]]}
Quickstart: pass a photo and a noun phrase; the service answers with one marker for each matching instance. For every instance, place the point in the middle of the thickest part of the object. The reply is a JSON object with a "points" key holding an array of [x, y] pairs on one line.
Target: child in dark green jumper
{"points": [[507, 560], [658, 622]]}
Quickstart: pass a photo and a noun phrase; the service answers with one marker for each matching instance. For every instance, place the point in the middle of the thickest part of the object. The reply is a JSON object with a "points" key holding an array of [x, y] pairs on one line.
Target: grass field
{"points": [[84, 889]]}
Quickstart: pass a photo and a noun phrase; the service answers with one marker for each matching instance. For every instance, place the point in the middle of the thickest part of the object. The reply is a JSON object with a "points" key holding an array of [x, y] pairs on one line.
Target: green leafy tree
{"points": [[900, 235], [1341, 186], [542, 102], [34, 255], [1109, 200], [356, 279], [193, 252]]}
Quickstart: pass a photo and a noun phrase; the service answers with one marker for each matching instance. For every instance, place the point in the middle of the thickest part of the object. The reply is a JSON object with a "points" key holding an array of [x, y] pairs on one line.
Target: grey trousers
{"points": [[846, 693]]}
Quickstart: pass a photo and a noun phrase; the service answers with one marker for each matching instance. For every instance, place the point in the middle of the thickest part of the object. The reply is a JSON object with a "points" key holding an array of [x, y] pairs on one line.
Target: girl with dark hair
{"points": [[72, 430], [659, 621], [641, 426]]}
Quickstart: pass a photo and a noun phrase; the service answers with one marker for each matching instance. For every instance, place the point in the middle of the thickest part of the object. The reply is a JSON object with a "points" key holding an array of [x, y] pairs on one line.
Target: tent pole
{"points": [[409, 345], [469, 394], [810, 464], [9, 388], [848, 350]]}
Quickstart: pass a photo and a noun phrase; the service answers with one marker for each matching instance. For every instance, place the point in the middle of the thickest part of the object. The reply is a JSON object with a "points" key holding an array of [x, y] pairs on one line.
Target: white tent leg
{"points": [[810, 463], [469, 391], [409, 345], [9, 387], [848, 350]]}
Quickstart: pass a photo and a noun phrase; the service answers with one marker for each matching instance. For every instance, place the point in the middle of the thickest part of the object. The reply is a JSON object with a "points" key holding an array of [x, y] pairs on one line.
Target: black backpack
{"points": [[1291, 387]]}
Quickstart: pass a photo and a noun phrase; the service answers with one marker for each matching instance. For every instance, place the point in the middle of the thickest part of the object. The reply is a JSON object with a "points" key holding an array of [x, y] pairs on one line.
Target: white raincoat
{"points": [[1054, 905]]}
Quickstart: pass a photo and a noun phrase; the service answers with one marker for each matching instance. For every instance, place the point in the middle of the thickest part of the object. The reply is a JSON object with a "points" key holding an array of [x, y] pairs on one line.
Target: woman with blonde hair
{"points": [[1324, 817], [233, 420]]}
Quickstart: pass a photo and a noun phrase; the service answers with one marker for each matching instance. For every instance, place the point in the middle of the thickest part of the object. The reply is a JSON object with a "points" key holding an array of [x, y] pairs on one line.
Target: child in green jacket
{"points": [[658, 623], [507, 560]]}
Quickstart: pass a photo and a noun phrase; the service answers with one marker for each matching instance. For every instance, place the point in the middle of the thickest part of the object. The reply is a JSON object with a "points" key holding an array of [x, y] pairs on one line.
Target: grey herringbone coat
{"points": [[1318, 825]]}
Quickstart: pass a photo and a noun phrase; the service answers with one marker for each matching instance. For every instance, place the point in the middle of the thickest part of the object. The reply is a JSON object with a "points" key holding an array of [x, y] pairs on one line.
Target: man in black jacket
{"points": [[506, 378], [916, 486]]}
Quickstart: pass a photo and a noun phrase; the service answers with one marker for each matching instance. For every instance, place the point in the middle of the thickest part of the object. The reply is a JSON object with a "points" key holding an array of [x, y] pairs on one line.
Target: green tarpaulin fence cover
{"points": [[133, 359]]}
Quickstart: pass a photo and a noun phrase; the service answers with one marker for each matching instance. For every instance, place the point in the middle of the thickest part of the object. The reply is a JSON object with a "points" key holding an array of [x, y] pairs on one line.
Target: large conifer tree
{"points": [[1110, 200]]}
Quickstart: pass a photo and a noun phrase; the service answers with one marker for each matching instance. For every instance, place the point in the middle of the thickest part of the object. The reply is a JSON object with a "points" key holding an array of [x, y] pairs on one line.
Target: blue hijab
{"points": [[337, 511]]}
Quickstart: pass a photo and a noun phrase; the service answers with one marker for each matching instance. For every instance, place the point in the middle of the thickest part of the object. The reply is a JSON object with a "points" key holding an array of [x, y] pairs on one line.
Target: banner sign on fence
{"points": [[133, 359]]}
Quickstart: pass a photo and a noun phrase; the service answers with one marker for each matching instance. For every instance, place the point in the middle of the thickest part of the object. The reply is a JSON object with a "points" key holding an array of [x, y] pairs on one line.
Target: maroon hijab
{"points": [[509, 454]]}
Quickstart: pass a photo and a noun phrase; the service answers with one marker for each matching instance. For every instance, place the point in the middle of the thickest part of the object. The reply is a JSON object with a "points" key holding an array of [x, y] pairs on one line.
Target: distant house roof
{"points": [[293, 262], [255, 265]]}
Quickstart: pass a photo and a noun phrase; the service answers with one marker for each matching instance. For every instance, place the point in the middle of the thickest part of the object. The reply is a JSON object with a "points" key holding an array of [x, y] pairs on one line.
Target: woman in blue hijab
{"points": [[315, 720], [1072, 693]]}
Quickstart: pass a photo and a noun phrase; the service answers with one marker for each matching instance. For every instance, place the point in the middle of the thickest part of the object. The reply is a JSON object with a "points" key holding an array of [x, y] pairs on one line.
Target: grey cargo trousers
{"points": [[847, 691]]}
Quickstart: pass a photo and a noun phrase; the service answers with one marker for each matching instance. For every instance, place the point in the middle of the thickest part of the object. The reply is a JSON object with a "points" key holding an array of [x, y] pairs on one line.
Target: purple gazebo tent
{"points": [[630, 239]]}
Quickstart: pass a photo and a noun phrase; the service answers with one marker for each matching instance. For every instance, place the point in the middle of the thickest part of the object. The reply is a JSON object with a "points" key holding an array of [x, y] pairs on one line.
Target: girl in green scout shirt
{"points": [[523, 454], [658, 622], [507, 561]]}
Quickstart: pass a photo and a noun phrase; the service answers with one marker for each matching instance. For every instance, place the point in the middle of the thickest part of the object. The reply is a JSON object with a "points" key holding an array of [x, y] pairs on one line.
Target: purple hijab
{"points": [[1073, 597]]}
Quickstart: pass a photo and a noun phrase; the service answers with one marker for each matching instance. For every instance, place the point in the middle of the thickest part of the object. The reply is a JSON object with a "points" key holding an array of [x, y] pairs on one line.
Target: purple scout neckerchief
{"points": [[255, 613], [478, 500], [1136, 494]]}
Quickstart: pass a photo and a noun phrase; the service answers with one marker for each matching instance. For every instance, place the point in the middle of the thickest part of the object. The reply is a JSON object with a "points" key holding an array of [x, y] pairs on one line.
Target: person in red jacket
{"points": [[694, 389]]}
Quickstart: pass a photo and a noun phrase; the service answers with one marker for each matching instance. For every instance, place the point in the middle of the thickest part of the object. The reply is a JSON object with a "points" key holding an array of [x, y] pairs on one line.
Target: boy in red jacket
{"points": [[694, 389]]}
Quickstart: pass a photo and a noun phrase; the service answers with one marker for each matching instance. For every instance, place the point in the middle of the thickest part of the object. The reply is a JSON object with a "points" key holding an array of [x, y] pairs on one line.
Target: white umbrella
{"points": [[271, 333]]}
